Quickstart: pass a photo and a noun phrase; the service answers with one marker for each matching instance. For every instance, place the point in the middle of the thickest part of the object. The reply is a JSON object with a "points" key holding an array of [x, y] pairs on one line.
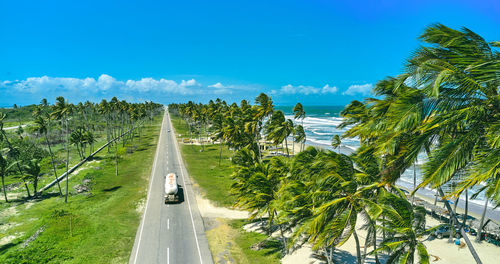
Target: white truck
{"points": [[171, 188]]}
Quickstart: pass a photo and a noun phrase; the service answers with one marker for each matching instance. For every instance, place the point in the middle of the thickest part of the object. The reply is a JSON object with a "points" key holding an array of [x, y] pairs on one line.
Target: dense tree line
{"points": [[445, 104], [28, 153]]}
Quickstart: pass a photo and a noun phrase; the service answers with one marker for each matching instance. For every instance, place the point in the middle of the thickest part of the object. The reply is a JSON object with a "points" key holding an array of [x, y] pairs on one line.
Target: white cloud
{"points": [[305, 90], [363, 89], [217, 86], [329, 89], [222, 89], [103, 83], [190, 83]]}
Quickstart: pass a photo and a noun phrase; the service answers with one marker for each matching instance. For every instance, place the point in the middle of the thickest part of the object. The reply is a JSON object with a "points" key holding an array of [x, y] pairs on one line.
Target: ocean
{"points": [[321, 124]]}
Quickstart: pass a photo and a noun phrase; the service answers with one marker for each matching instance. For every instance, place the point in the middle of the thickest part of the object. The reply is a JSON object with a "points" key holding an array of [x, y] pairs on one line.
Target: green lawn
{"points": [[228, 241], [203, 166], [91, 228]]}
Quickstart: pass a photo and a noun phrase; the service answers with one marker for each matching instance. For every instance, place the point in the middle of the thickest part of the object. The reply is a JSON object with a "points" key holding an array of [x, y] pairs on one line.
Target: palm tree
{"points": [[336, 142], [263, 109], [300, 136], [4, 168], [77, 138], [13, 152], [32, 168], [42, 128], [279, 129], [299, 112], [329, 200], [61, 111], [407, 224]]}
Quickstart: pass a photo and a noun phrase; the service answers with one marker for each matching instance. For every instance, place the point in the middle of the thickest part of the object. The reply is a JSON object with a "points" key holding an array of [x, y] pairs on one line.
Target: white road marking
{"points": [[168, 223], [149, 193], [186, 194], [168, 255]]}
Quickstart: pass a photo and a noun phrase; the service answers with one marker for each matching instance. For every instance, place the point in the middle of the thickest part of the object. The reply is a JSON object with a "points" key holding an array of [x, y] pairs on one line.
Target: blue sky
{"points": [[318, 52]]}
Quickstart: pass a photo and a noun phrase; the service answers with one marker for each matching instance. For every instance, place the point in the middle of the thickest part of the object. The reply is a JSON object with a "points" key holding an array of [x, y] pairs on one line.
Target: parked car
{"points": [[444, 231]]}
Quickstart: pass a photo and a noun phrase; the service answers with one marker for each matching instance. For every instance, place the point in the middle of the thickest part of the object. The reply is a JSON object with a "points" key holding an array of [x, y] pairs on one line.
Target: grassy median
{"points": [[98, 226]]}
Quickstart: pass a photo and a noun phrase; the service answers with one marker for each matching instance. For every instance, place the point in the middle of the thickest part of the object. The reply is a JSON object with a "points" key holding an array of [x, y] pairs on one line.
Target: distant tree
{"points": [[32, 169], [43, 128], [12, 152], [61, 111], [336, 142]]}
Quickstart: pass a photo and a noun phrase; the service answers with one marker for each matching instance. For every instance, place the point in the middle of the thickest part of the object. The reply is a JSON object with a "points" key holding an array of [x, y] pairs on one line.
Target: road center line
{"points": [[149, 190], [168, 223], [168, 255], [186, 192]]}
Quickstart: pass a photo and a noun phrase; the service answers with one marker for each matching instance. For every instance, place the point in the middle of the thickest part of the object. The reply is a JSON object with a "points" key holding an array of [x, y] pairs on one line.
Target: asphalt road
{"points": [[170, 233]]}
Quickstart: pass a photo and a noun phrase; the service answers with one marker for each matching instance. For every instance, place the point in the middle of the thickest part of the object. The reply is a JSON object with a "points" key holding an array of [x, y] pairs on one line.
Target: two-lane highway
{"points": [[170, 233]]}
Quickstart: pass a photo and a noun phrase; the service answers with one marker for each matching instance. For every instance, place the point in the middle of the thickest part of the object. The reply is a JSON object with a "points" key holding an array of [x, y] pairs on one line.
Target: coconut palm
{"points": [[299, 112], [459, 73], [32, 169], [300, 136], [61, 111], [336, 142], [407, 224], [13, 152], [42, 128], [5, 166], [279, 129]]}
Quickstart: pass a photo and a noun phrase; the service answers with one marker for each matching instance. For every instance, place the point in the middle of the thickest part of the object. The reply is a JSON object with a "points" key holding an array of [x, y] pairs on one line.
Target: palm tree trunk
{"points": [[116, 158], [466, 207], [329, 255], [35, 184], [414, 182], [3, 188], [466, 238], [27, 189], [283, 238], [358, 250], [368, 233], [436, 197], [286, 146], [483, 215], [67, 160], [52, 162], [374, 228], [452, 223]]}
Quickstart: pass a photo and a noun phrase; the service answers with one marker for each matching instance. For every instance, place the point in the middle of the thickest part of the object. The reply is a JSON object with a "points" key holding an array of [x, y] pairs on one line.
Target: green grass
{"points": [[214, 182], [104, 223], [16, 123], [270, 254], [181, 128], [230, 241], [203, 166]]}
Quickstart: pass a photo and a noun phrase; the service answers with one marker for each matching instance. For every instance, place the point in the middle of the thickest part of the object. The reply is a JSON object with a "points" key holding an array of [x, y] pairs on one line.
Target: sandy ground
{"points": [[440, 250], [208, 210]]}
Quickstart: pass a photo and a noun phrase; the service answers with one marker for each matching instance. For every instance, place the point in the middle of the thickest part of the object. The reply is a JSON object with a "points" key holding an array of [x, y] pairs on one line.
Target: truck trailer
{"points": [[171, 188]]}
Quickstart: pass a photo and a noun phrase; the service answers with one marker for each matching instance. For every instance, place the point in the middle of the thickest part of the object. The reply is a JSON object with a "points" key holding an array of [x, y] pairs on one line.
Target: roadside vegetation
{"points": [[92, 215], [445, 104]]}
